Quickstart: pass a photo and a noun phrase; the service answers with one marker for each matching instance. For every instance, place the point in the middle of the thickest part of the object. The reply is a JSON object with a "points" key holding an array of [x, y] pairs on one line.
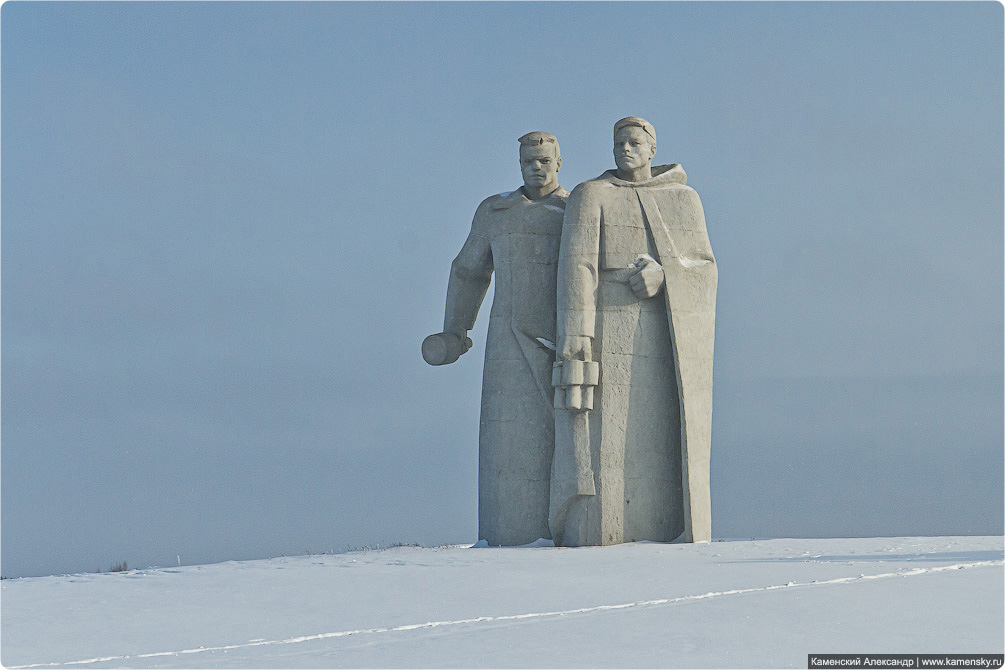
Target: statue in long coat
{"points": [[636, 301], [515, 235]]}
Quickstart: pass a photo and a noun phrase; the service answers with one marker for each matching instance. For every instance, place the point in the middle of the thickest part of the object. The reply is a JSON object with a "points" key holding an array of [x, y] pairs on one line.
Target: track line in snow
{"points": [[517, 617]]}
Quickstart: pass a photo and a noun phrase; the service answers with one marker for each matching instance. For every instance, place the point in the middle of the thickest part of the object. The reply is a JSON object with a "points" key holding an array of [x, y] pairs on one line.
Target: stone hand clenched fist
{"points": [[648, 279]]}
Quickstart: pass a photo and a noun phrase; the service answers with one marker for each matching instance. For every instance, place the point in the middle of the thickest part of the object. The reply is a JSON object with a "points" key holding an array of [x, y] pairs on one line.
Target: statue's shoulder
{"points": [[502, 200], [489, 202], [486, 210], [592, 185], [677, 188], [592, 188]]}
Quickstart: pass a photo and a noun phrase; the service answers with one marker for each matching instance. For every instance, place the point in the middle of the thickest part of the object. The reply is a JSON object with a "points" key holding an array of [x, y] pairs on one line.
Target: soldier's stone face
{"points": [[539, 165], [633, 148]]}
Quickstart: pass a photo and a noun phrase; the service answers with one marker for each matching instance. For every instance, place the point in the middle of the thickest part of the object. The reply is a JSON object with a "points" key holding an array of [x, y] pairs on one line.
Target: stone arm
{"points": [[470, 275], [575, 373], [577, 275]]}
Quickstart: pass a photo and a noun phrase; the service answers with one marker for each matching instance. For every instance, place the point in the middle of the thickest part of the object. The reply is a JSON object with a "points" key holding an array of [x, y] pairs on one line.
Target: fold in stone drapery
{"points": [[693, 316], [572, 471]]}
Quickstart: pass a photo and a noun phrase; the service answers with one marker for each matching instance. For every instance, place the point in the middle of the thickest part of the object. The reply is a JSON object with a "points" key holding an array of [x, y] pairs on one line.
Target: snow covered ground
{"points": [[735, 604]]}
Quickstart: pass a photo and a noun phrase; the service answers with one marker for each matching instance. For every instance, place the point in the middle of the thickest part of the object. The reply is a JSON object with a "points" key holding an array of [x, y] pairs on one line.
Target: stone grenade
{"points": [[443, 348]]}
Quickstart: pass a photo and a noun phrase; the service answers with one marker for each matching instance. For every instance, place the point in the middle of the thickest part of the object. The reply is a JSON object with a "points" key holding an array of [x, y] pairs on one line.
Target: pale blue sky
{"points": [[226, 228]]}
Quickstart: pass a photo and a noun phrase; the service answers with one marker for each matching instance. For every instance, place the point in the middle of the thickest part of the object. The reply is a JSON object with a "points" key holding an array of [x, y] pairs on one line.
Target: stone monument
{"points": [[636, 321], [620, 452], [515, 235]]}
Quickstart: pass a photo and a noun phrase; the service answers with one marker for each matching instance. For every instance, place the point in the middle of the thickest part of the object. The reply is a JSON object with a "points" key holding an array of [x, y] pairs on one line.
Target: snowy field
{"points": [[733, 604]]}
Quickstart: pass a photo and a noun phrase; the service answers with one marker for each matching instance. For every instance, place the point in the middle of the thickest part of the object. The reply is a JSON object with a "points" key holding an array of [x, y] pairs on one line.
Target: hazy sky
{"points": [[227, 227]]}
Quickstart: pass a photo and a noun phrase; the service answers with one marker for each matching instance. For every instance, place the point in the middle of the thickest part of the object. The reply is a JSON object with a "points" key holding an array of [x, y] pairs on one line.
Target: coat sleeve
{"points": [[470, 275], [577, 264]]}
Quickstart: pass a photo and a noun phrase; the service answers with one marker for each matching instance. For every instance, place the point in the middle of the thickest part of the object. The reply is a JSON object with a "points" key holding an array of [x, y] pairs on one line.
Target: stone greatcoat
{"points": [[518, 239], [650, 426]]}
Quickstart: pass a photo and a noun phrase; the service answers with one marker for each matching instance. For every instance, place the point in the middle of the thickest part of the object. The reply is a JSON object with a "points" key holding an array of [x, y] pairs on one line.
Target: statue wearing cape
{"points": [[636, 466]]}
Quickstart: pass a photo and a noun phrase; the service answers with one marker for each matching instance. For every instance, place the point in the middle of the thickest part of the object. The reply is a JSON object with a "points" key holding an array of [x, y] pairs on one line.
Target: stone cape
{"points": [[517, 239], [650, 429]]}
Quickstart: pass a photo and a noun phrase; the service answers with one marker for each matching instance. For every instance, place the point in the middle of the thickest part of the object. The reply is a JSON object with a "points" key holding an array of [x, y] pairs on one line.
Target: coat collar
{"points": [[663, 175], [507, 200]]}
